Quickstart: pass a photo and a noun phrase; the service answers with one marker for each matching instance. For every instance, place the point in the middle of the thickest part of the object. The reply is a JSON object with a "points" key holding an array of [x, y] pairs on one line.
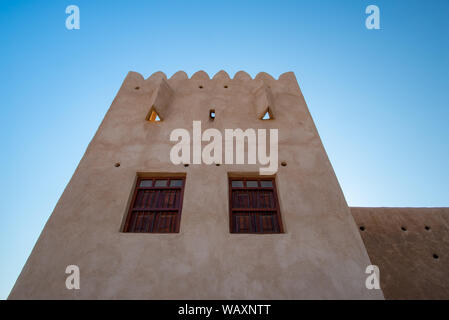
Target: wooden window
{"points": [[254, 206], [156, 205]]}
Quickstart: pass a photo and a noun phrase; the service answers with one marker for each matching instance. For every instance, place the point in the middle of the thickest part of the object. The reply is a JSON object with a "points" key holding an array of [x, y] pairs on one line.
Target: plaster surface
{"points": [[320, 256], [408, 269]]}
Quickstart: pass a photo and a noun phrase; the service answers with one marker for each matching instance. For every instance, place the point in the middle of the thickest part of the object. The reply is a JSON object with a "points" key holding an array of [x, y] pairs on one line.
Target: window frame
{"points": [[137, 188], [275, 196]]}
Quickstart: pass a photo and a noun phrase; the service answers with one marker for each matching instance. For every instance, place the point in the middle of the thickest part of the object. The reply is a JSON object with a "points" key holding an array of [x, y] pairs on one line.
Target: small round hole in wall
{"points": [[186, 165], [137, 88], [217, 164], [283, 163], [225, 86], [117, 164], [403, 228], [427, 228], [435, 256], [362, 228], [201, 87]]}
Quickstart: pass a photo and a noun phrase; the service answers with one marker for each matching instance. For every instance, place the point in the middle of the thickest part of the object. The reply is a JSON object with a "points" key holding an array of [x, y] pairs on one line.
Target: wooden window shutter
{"points": [[254, 206], [156, 205]]}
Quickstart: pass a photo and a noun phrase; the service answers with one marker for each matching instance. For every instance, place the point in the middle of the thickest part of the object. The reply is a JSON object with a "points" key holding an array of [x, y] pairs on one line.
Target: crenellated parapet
{"points": [[221, 75], [160, 89]]}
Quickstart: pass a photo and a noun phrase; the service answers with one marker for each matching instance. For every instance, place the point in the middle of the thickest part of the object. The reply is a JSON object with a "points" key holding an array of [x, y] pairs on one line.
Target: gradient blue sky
{"points": [[378, 97]]}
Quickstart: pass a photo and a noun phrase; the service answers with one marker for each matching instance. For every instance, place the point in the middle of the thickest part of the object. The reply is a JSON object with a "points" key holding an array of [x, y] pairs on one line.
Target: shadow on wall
{"points": [[411, 248]]}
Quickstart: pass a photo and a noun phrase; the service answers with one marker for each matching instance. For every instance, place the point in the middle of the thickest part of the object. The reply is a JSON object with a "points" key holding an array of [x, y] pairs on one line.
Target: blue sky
{"points": [[379, 98]]}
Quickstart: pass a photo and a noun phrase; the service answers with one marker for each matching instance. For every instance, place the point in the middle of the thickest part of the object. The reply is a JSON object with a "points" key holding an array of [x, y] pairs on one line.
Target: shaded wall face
{"points": [[411, 248], [320, 254]]}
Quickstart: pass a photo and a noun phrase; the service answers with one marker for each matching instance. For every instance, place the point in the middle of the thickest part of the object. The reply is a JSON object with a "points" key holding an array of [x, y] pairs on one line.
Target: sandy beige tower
{"points": [[319, 253]]}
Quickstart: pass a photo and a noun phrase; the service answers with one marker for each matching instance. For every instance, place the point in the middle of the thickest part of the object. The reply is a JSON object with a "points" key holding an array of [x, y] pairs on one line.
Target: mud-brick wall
{"points": [[320, 255], [411, 248]]}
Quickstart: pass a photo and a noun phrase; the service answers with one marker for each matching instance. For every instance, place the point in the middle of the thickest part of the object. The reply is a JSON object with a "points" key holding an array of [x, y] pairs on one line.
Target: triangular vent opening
{"points": [[154, 116], [267, 115]]}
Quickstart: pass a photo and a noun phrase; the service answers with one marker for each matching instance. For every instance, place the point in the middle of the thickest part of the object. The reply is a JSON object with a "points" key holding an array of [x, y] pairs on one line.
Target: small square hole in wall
{"points": [[212, 114]]}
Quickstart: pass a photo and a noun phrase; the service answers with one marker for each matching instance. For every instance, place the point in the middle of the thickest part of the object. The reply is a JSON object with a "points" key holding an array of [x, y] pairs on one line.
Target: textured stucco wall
{"points": [[320, 255], [408, 269]]}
